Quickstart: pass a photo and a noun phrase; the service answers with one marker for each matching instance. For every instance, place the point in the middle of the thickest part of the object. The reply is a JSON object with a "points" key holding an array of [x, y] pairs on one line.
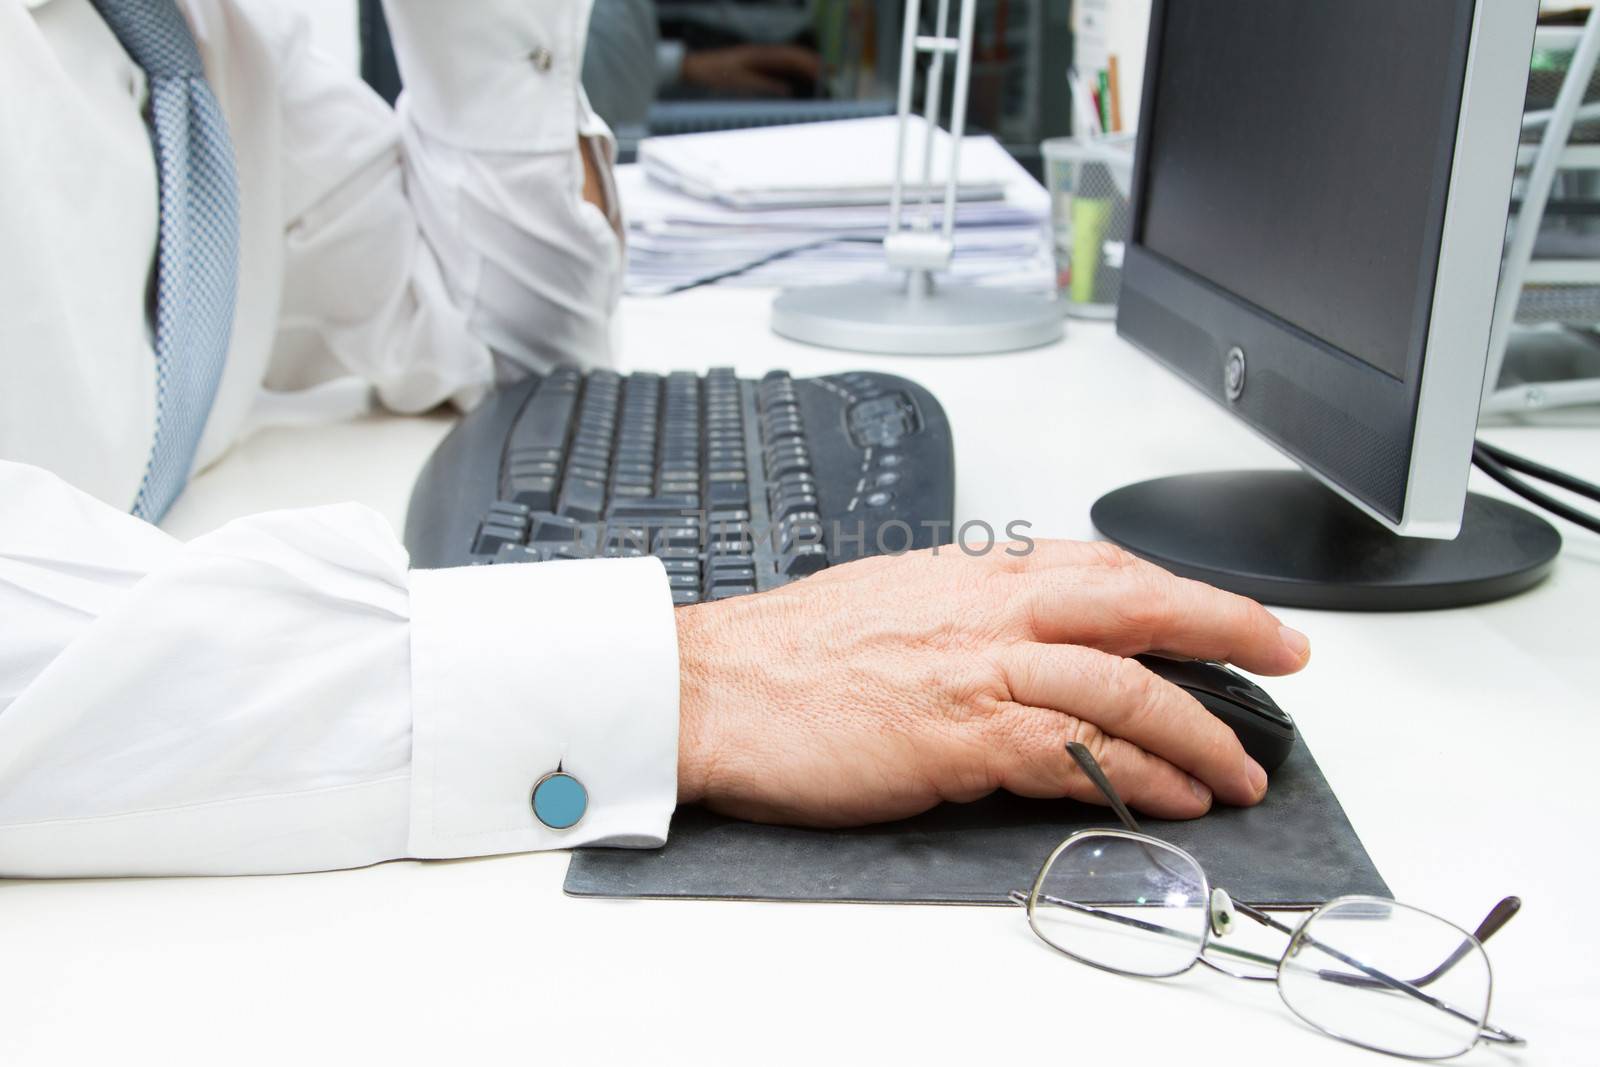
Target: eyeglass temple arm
{"points": [[1086, 762], [1498, 916]]}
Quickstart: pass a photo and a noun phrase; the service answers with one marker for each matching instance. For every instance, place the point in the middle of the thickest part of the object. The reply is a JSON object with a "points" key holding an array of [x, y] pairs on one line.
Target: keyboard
{"points": [[737, 485]]}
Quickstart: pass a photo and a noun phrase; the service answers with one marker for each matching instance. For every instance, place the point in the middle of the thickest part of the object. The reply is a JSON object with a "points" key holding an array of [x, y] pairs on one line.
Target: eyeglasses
{"points": [[1372, 972]]}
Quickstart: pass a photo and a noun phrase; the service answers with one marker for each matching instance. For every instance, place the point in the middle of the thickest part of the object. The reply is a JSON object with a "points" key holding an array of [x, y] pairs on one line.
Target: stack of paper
{"points": [[785, 206], [847, 162]]}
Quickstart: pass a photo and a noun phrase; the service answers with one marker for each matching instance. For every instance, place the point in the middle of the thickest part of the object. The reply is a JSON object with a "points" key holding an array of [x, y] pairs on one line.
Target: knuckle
{"points": [[1150, 600], [1091, 737], [983, 690], [1110, 556], [1139, 687]]}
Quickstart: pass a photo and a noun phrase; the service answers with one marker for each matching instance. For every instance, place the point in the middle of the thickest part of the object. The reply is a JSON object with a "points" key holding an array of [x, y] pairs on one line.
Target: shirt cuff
{"points": [[520, 668], [492, 75], [669, 62]]}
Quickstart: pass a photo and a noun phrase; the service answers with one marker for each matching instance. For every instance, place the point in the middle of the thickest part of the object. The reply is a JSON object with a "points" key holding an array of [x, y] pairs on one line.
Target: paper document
{"points": [[820, 163], [679, 239]]}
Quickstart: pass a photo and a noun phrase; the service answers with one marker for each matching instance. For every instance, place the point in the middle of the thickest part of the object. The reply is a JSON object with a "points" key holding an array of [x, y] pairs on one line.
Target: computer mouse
{"points": [[1264, 729]]}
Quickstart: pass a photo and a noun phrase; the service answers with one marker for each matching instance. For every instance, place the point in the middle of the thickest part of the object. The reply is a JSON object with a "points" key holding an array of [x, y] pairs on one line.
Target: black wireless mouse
{"points": [[1264, 729]]}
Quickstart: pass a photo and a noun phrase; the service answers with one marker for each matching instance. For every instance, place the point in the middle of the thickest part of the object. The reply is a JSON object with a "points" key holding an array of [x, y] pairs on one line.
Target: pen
{"points": [[1082, 102], [1116, 94]]}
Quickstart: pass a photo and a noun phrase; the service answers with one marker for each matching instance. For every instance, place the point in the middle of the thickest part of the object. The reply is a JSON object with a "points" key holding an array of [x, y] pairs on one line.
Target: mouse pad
{"points": [[1295, 848]]}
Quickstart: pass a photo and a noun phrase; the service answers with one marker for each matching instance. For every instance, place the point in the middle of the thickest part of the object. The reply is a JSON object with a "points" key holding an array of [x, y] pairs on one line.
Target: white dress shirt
{"points": [[282, 694]]}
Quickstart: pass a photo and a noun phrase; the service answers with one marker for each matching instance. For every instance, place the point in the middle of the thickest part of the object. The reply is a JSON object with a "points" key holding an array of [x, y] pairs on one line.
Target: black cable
{"points": [[1497, 463], [1540, 471]]}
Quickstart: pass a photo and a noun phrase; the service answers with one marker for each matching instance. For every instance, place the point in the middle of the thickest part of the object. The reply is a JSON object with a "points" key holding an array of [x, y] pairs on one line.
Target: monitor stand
{"points": [[1282, 537]]}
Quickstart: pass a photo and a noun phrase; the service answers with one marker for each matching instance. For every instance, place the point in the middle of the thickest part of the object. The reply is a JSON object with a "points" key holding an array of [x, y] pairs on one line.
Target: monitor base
{"points": [[1282, 537]]}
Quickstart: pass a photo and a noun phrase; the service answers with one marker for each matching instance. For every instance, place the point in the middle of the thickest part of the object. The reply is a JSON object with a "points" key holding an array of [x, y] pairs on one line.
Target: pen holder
{"points": [[1090, 214]]}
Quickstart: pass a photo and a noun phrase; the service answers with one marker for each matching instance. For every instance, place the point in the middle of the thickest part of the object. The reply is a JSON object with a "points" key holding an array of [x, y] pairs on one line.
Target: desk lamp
{"points": [[918, 316]]}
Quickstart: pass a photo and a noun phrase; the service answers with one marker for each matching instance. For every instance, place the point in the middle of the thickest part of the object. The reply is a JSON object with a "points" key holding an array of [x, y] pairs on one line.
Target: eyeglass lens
{"points": [[1388, 976], [1131, 905]]}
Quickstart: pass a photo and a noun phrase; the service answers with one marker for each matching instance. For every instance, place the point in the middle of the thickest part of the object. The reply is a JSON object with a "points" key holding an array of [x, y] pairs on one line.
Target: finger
{"points": [[1123, 699], [1126, 606], [1035, 763]]}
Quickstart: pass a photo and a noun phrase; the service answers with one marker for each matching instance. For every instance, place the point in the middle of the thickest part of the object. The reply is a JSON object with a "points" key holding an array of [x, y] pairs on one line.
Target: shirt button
{"points": [[559, 800], [541, 58]]}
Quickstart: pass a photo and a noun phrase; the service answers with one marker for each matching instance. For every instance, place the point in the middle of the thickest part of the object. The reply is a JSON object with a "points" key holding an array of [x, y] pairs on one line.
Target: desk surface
{"points": [[1462, 743]]}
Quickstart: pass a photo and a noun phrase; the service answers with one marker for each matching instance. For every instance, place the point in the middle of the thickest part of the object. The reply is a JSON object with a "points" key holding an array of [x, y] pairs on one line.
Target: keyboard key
{"points": [[678, 537], [798, 532], [553, 528], [657, 506], [536, 491], [583, 498], [511, 510], [803, 560], [728, 494], [545, 420], [491, 536], [792, 461], [720, 576], [793, 504]]}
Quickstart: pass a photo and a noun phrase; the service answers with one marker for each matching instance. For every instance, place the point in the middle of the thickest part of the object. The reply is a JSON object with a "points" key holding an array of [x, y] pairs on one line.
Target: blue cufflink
{"points": [[559, 800]]}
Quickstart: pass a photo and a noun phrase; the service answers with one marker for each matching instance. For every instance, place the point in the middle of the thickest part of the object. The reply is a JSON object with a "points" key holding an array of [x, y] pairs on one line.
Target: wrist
{"points": [[694, 693]]}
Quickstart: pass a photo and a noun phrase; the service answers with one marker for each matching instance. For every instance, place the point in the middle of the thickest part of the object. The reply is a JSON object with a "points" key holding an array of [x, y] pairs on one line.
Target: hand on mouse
{"points": [[874, 690]]}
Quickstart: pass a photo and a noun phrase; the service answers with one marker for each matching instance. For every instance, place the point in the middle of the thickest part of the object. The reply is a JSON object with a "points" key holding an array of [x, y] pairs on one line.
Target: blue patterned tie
{"points": [[197, 261]]}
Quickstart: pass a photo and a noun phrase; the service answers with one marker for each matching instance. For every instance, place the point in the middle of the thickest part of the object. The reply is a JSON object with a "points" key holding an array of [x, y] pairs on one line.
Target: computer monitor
{"points": [[1321, 196]]}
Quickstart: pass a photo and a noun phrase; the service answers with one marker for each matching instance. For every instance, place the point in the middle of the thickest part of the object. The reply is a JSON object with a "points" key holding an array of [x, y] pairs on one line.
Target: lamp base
{"points": [[953, 321]]}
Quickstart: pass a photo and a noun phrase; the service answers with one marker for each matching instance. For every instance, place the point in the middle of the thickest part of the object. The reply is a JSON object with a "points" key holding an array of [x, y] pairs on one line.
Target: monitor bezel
{"points": [[1399, 449]]}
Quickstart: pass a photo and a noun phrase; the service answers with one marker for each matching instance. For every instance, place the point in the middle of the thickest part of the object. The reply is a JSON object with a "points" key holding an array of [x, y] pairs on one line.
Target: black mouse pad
{"points": [[1295, 848]]}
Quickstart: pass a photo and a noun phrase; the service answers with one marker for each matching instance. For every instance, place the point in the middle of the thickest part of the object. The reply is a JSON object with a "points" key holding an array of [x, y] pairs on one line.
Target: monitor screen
{"points": [[1299, 158]]}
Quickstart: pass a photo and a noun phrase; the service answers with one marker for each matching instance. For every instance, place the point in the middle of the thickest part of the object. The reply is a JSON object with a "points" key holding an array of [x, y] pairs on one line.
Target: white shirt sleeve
{"points": [[282, 695], [421, 239]]}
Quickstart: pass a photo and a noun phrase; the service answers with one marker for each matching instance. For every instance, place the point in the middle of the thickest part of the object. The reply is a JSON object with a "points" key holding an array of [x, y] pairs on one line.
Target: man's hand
{"points": [[754, 69], [875, 690]]}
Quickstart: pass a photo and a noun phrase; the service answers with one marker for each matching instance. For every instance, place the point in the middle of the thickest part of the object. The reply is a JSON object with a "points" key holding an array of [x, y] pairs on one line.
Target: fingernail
{"points": [[1200, 790], [1258, 779], [1295, 641]]}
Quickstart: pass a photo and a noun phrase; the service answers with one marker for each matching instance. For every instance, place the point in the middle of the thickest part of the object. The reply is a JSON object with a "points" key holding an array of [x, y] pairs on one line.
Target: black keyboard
{"points": [[736, 485]]}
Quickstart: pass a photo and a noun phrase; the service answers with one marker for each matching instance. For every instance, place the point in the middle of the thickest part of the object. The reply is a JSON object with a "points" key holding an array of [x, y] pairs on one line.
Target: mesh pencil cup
{"points": [[1090, 216]]}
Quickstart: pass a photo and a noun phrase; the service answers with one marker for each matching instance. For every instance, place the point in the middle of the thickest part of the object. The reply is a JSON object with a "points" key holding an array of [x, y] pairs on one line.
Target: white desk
{"points": [[1463, 744]]}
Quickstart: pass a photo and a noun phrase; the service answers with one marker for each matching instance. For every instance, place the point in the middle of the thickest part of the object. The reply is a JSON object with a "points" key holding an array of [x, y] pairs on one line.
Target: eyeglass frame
{"points": [[1219, 909]]}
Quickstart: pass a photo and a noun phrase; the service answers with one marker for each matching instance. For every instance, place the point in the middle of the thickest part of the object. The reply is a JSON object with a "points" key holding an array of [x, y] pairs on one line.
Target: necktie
{"points": [[198, 250]]}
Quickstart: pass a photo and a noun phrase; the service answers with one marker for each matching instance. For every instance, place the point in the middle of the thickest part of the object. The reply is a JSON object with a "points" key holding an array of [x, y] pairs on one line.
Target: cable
{"points": [[1498, 464], [1538, 470]]}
